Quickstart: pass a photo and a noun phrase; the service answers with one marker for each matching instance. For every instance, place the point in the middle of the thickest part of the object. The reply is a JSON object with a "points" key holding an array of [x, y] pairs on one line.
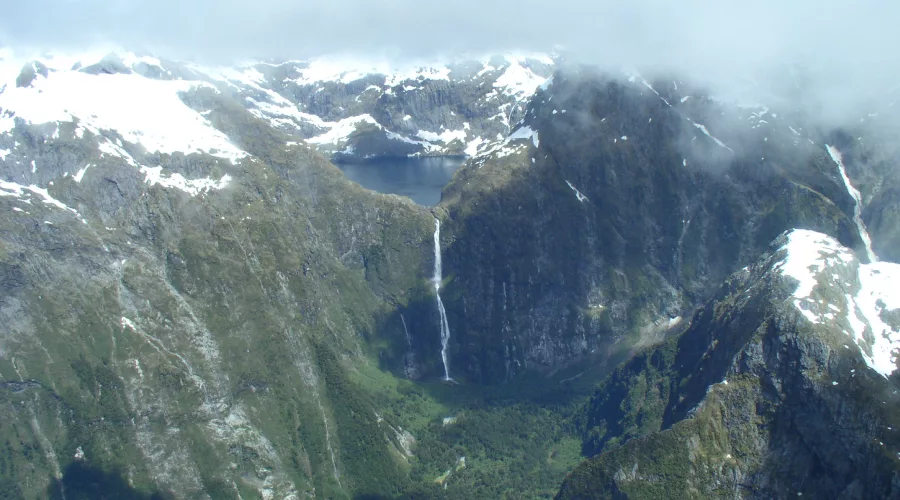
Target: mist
{"points": [[842, 49]]}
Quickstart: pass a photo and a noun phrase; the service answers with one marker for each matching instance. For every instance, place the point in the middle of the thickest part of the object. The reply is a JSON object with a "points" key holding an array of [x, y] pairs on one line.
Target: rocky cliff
{"points": [[615, 208], [782, 385]]}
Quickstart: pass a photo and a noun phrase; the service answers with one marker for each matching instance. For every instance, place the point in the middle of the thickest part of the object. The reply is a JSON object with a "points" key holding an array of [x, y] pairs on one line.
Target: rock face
{"points": [[783, 385], [620, 208], [353, 110]]}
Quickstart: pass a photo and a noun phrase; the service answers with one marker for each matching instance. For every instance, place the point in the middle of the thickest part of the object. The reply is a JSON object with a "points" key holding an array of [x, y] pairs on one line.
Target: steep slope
{"points": [[612, 210], [186, 310], [870, 155], [353, 109], [347, 109], [784, 384]]}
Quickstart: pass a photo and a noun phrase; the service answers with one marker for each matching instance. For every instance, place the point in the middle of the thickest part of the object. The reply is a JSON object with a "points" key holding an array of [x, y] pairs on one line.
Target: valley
{"points": [[509, 276]]}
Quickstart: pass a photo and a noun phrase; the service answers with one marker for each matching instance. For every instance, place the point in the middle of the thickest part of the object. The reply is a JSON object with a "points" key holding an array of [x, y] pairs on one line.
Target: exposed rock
{"points": [[111, 64], [767, 394], [31, 71], [542, 230]]}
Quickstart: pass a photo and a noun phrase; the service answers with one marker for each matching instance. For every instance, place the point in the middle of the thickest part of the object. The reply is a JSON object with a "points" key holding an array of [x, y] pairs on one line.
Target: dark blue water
{"points": [[421, 179]]}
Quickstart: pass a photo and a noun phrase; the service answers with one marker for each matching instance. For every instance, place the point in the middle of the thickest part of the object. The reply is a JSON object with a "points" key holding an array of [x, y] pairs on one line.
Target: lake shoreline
{"points": [[419, 178]]}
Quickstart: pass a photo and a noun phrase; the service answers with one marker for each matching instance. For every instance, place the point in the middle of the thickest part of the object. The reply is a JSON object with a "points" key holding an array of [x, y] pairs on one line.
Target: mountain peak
{"points": [[834, 287]]}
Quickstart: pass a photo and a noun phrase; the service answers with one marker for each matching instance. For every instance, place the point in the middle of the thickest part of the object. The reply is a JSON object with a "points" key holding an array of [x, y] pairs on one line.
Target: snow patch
{"points": [[281, 112], [473, 145], [525, 133], [809, 256], [517, 80], [345, 70], [547, 83], [80, 174], [193, 187], [142, 110], [342, 129], [19, 191], [445, 136], [878, 293], [127, 323], [582, 198], [705, 131]]}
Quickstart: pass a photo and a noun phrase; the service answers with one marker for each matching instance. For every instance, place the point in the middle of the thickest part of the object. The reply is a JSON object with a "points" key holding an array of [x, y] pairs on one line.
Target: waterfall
{"points": [[437, 278], [408, 357], [838, 158], [406, 331]]}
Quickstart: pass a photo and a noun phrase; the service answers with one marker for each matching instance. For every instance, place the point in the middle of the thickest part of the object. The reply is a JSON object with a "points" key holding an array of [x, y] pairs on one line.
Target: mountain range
{"points": [[632, 288]]}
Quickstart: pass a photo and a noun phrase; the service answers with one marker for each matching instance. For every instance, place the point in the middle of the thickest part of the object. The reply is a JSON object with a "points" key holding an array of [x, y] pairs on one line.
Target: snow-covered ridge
{"points": [[518, 80], [347, 69], [825, 295], [513, 78], [131, 102], [505, 146], [144, 111]]}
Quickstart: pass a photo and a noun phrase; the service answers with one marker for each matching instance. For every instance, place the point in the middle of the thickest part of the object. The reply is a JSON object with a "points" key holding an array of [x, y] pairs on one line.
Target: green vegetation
{"points": [[248, 342], [518, 440], [679, 463]]}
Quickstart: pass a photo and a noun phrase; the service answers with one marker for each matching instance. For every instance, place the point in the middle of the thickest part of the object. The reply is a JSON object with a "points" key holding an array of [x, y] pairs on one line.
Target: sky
{"points": [[846, 47]]}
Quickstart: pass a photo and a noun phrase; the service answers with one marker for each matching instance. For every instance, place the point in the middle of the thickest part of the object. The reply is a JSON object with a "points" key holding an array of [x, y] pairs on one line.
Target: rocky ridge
{"points": [[783, 384]]}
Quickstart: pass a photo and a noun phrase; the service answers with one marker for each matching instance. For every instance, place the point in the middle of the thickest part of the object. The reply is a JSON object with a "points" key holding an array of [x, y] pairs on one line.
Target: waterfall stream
{"points": [[437, 278], [838, 158]]}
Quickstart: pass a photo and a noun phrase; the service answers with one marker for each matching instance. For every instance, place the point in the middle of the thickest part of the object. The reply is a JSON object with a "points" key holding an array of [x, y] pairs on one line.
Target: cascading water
{"points": [[838, 158], [437, 278]]}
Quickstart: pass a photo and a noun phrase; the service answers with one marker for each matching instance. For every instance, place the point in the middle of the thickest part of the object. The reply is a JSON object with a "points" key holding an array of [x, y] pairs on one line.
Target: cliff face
{"points": [[782, 385], [619, 207]]}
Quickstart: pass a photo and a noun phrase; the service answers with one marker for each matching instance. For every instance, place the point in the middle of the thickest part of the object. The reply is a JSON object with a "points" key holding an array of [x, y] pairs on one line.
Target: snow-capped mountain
{"points": [[787, 374], [344, 107]]}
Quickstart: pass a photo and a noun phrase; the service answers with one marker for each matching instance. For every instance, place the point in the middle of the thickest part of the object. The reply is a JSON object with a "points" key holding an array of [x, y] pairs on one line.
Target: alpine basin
{"points": [[420, 179]]}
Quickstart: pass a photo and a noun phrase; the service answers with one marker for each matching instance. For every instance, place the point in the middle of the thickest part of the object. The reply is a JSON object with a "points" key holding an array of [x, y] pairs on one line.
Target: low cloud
{"points": [[842, 51]]}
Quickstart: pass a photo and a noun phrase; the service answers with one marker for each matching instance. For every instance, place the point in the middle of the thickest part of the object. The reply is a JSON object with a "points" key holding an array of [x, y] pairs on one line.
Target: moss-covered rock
{"points": [[752, 400]]}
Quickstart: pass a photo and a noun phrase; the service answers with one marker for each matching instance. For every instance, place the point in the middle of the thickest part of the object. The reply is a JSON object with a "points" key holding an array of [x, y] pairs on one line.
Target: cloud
{"points": [[843, 47]]}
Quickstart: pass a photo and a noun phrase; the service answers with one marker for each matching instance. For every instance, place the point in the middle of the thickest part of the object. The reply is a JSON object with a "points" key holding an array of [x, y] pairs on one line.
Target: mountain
{"points": [[783, 385], [198, 304], [179, 302], [614, 210], [347, 109]]}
